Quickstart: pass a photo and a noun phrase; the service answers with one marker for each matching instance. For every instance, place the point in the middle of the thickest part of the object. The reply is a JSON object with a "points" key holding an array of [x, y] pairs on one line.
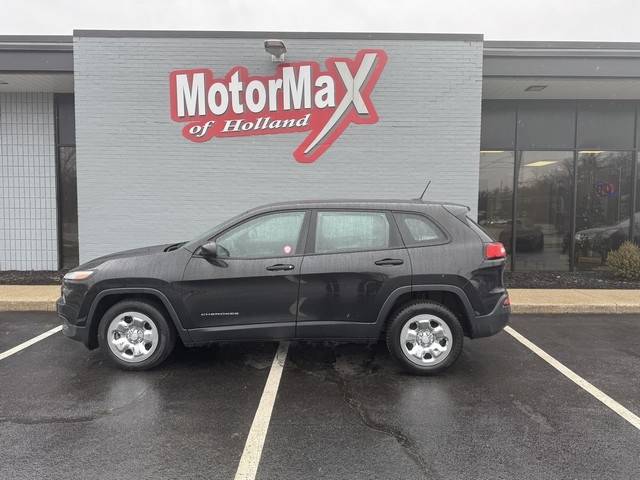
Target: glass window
{"points": [[546, 125], [68, 206], [605, 125], [495, 200], [603, 205], [417, 229], [497, 128], [340, 231], [543, 215], [273, 235], [636, 215]]}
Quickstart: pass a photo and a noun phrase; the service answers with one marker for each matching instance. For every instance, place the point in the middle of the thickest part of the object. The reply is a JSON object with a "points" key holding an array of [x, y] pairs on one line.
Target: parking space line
{"points": [[629, 416], [28, 343], [250, 459]]}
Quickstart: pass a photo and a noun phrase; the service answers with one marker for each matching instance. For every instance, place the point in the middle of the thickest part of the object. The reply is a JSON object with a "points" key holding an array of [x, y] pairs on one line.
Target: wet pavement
{"points": [[341, 412]]}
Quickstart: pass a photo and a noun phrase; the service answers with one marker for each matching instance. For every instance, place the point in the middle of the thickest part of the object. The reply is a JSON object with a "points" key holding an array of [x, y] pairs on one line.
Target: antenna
{"points": [[425, 189]]}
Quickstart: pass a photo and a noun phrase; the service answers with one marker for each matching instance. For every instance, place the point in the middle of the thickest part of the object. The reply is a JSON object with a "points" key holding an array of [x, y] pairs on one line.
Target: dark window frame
{"points": [[59, 98]]}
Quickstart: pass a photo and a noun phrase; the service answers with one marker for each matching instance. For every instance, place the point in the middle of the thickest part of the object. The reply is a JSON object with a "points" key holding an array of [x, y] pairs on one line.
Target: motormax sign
{"points": [[299, 97]]}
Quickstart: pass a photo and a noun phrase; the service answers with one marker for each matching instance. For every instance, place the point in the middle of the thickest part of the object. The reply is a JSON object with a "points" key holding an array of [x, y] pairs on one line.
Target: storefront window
{"points": [[68, 205], [495, 202], [543, 210], [636, 216], [603, 205], [67, 184]]}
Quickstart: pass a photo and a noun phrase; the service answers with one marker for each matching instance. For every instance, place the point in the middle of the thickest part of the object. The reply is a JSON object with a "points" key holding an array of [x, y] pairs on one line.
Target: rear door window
{"points": [[339, 231]]}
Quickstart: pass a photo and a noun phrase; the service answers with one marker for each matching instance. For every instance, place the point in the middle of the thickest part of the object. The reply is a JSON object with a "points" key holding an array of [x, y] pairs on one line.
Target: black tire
{"points": [[166, 334], [409, 311]]}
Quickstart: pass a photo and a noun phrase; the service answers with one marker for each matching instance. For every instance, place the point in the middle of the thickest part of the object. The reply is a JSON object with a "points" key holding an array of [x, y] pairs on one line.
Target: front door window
{"points": [[273, 235]]}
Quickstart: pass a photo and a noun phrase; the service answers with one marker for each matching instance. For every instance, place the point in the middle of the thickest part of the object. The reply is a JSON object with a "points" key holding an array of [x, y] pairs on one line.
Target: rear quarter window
{"points": [[419, 230]]}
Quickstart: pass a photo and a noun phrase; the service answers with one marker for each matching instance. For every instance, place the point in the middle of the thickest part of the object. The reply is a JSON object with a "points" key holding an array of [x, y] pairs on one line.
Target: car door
{"points": [[250, 290], [354, 260]]}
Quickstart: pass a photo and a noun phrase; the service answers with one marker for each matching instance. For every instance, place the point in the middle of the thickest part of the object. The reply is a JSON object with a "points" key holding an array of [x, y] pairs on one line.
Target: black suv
{"points": [[422, 274]]}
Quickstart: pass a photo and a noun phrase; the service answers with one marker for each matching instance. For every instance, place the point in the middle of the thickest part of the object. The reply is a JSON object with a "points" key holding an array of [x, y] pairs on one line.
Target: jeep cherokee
{"points": [[421, 275]]}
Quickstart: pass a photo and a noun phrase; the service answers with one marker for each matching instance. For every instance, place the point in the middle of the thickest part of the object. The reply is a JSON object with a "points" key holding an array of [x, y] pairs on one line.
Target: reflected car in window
{"points": [[599, 241], [529, 237]]}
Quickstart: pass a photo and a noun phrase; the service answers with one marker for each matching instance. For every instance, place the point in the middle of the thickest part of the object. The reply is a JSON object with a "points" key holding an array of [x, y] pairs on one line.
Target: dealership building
{"points": [[111, 140]]}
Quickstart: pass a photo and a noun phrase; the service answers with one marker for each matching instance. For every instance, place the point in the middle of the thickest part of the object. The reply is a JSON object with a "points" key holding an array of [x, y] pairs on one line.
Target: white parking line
{"points": [[629, 416], [28, 343], [250, 459]]}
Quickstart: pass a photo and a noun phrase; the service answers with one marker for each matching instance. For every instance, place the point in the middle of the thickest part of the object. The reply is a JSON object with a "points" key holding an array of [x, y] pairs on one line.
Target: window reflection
{"points": [[603, 205], [68, 206], [543, 210], [495, 201]]}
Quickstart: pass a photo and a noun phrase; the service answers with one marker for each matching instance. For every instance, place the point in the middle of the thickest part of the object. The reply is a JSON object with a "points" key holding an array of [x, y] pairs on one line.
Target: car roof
{"points": [[353, 203]]}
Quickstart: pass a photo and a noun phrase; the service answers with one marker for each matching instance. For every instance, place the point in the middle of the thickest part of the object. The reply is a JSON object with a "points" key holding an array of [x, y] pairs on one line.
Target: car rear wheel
{"points": [[425, 337], [136, 335]]}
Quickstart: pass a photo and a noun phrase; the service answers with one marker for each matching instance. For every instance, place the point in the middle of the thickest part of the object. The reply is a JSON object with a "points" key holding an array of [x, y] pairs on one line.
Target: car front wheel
{"points": [[425, 337], [136, 335]]}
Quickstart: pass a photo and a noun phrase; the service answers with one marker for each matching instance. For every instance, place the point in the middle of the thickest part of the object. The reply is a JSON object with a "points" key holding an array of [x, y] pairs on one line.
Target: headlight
{"points": [[78, 275]]}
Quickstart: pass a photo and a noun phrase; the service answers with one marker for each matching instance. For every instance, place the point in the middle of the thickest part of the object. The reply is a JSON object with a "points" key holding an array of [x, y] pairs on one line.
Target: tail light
{"points": [[494, 251]]}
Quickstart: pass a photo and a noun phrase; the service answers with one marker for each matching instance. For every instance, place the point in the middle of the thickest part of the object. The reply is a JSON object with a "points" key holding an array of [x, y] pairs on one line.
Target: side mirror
{"points": [[209, 249]]}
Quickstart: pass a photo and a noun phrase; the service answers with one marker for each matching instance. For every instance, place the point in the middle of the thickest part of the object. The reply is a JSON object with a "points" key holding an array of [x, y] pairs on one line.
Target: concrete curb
{"points": [[572, 309], [28, 298], [28, 306]]}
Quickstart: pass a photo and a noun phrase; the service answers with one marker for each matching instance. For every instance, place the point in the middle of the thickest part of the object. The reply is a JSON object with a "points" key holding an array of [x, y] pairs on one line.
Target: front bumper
{"points": [[494, 322], [71, 330]]}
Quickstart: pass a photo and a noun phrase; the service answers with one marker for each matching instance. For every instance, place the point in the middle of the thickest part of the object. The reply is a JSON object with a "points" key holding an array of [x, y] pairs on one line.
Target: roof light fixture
{"points": [[535, 88], [541, 163], [276, 49]]}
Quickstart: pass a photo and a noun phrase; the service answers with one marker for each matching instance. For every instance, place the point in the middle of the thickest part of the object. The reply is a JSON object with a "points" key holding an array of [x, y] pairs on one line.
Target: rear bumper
{"points": [[71, 330], [494, 322]]}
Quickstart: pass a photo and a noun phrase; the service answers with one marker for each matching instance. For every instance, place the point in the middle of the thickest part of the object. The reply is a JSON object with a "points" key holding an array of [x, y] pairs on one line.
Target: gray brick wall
{"points": [[140, 182], [28, 232]]}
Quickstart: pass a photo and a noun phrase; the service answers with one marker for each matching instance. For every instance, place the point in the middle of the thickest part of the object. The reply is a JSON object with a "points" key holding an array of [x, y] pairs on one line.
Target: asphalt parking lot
{"points": [[341, 412]]}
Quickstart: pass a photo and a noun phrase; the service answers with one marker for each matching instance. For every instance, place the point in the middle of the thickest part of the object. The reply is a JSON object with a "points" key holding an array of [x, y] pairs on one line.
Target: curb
{"points": [[28, 306], [517, 309]]}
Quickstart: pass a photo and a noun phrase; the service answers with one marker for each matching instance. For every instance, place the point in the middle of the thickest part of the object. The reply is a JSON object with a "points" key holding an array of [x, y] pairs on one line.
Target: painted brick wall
{"points": [[140, 182], [28, 232]]}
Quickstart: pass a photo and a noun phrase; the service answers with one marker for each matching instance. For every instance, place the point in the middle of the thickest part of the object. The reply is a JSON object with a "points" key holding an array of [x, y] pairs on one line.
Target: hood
{"points": [[136, 252]]}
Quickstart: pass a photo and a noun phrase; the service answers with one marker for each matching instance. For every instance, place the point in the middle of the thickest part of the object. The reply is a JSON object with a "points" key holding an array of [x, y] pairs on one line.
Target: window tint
{"points": [[338, 231], [417, 229], [273, 235]]}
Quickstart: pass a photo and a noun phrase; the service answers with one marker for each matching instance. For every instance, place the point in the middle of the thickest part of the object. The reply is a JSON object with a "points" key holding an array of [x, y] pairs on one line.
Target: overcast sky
{"points": [[612, 20]]}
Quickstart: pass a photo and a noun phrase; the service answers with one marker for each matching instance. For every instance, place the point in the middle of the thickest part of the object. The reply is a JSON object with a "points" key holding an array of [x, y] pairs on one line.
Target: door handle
{"points": [[390, 261], [280, 266]]}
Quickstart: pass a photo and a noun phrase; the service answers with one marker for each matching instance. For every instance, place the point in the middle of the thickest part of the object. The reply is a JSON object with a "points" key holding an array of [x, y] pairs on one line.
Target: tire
{"points": [[436, 333], [136, 335]]}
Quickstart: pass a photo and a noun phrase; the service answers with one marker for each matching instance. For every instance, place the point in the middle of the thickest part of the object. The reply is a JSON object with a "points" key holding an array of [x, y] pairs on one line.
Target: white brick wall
{"points": [[140, 182], [28, 232]]}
